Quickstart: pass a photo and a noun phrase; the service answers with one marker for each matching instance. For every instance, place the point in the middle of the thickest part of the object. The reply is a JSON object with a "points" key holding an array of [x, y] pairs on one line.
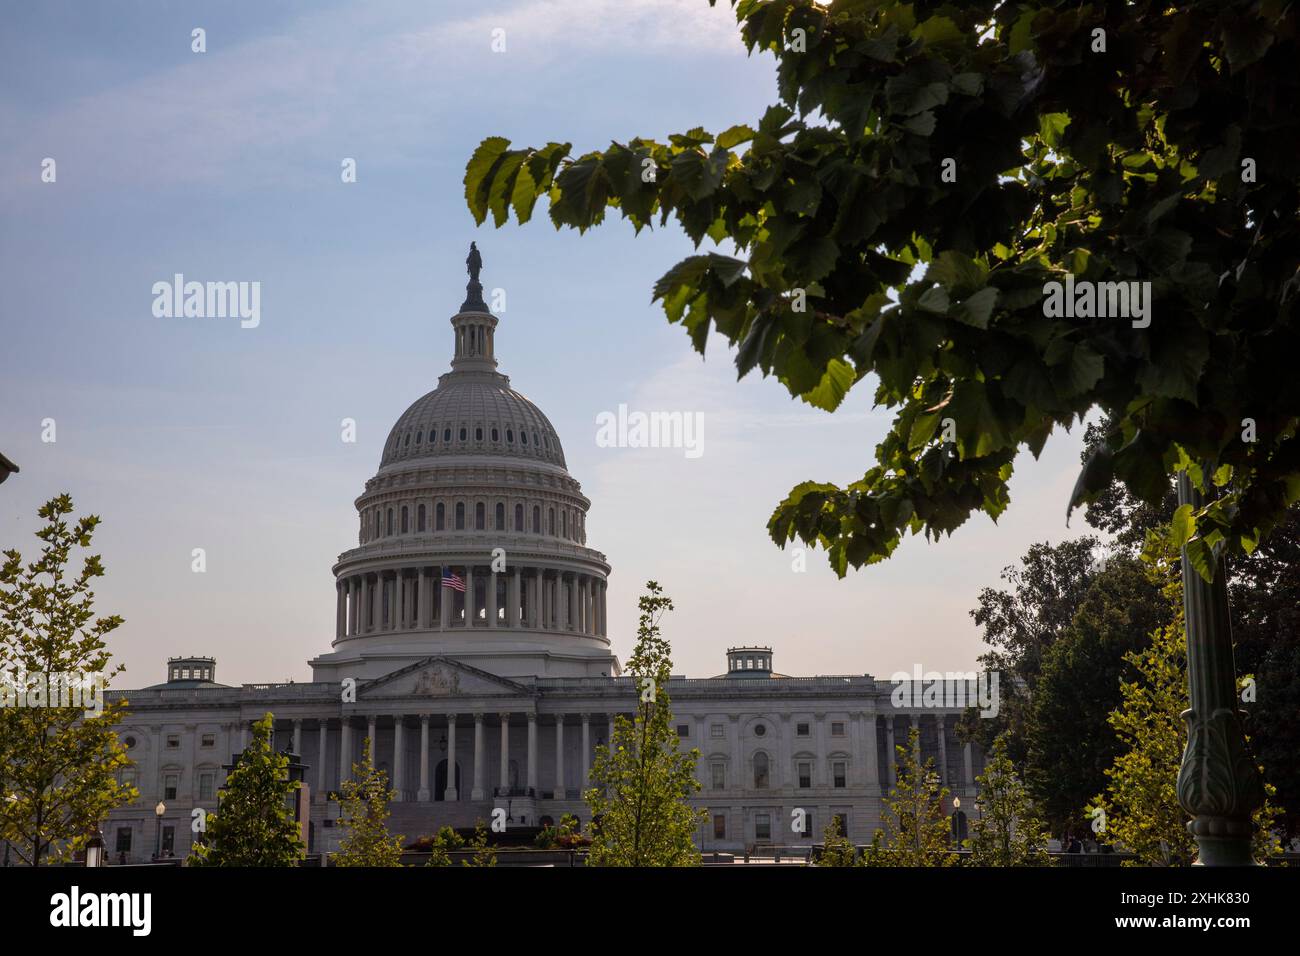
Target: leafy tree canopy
{"points": [[928, 169]]}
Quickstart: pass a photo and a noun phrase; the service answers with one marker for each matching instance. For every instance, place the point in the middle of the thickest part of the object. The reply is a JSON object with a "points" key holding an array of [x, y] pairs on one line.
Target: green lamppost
{"points": [[1219, 782]]}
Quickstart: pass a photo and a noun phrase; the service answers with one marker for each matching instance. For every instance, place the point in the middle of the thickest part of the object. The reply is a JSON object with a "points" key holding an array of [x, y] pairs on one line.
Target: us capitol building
{"points": [[497, 695]]}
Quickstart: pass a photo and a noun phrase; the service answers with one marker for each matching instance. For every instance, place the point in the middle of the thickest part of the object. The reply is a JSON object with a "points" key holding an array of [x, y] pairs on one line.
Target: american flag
{"points": [[452, 580]]}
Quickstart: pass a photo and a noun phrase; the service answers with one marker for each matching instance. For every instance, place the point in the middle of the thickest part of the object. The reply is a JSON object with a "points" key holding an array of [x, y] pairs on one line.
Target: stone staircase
{"points": [[414, 819]]}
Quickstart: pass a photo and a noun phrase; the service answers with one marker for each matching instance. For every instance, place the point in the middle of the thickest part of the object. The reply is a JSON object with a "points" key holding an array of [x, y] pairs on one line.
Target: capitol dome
{"points": [[472, 413], [472, 539]]}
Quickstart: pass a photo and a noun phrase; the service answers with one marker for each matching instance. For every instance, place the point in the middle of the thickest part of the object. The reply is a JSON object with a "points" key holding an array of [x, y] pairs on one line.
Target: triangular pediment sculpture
{"points": [[441, 677]]}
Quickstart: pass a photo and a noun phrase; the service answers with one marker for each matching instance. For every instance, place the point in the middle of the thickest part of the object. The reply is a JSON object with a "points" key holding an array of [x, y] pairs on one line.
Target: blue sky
{"points": [[185, 433]]}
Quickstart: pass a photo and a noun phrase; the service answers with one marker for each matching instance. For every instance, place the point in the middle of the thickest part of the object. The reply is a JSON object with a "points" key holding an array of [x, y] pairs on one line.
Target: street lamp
{"points": [[158, 812], [95, 850]]}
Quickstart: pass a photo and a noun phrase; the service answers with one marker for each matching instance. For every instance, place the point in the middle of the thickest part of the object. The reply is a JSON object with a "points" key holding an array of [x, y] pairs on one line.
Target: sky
{"points": [[225, 165]]}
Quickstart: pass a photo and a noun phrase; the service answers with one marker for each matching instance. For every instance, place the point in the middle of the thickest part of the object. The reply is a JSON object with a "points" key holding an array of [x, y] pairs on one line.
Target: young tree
{"points": [[837, 849], [364, 815], [641, 781], [484, 855], [915, 831], [59, 758], [1140, 806], [442, 845], [253, 824], [1008, 830], [918, 208]]}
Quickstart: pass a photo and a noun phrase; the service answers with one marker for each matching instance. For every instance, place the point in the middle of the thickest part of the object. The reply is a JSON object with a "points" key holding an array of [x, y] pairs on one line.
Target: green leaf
{"points": [[1246, 38], [835, 384], [734, 136], [1182, 525], [978, 308], [477, 175], [908, 95]]}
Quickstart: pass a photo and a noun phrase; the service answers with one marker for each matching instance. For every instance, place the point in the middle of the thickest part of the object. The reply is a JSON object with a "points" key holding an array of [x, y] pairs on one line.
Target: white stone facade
{"points": [[522, 688]]}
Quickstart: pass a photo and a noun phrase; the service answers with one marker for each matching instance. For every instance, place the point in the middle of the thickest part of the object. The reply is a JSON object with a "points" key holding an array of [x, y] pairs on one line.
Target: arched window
{"points": [[419, 519], [550, 522], [537, 520], [519, 517], [760, 771], [496, 435], [390, 521], [478, 433], [408, 439], [523, 437], [440, 517], [404, 517], [464, 433], [446, 434], [460, 516], [480, 521], [501, 517], [419, 436], [510, 436]]}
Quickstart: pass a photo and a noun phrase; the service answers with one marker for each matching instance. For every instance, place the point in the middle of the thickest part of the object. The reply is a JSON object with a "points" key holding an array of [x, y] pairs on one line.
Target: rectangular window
{"points": [[173, 741], [762, 826], [842, 823], [717, 730], [805, 775], [808, 828], [801, 730], [719, 826], [837, 728], [168, 840], [683, 730], [209, 740], [206, 785], [839, 770], [719, 776], [170, 782], [123, 839]]}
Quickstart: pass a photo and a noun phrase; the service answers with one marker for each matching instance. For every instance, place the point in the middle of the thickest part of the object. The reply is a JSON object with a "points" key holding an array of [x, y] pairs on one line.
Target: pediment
{"points": [[440, 677]]}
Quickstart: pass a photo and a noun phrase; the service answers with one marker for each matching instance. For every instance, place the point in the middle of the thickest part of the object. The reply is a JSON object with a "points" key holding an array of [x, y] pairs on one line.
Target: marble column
{"points": [[609, 741], [471, 599], [423, 603], [559, 757], [869, 744], [445, 601], [968, 766], [573, 623], [943, 749], [320, 756], [373, 737], [891, 755], [586, 752], [450, 793], [532, 753], [480, 771], [505, 752], [340, 609], [345, 751], [354, 609], [423, 793], [399, 757], [512, 599], [492, 599]]}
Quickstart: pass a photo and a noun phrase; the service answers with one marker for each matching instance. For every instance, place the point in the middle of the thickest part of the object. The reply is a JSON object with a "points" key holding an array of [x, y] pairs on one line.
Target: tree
{"points": [[915, 831], [1140, 806], [1008, 830], [1021, 624], [441, 847], [253, 824], [484, 855], [1070, 740], [59, 753], [1009, 149], [364, 815], [837, 849], [641, 781]]}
